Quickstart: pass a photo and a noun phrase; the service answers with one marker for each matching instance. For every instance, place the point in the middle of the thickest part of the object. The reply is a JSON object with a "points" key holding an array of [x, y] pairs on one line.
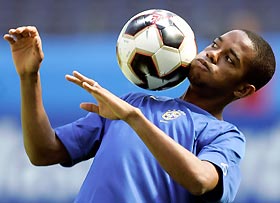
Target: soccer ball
{"points": [[154, 49]]}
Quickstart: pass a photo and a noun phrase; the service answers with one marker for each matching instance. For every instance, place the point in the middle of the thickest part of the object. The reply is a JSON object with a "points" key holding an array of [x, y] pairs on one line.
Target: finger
{"points": [[90, 88], [24, 31], [10, 38], [16, 36], [89, 107], [73, 79], [12, 31], [69, 78], [83, 78], [32, 31], [98, 92], [26, 34], [28, 31], [94, 90], [18, 32]]}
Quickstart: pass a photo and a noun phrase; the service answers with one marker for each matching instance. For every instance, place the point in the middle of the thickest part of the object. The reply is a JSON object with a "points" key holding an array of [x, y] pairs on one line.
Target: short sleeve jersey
{"points": [[124, 170]]}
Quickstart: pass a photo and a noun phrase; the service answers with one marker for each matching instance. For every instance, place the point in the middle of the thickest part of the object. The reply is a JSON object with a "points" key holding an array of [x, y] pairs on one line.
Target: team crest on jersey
{"points": [[172, 114]]}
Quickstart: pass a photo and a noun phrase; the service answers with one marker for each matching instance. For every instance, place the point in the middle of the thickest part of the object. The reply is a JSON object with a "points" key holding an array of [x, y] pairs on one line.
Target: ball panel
{"points": [[155, 83], [137, 24], [144, 19], [166, 59], [142, 66], [163, 14], [172, 37], [176, 77], [183, 26], [148, 40], [164, 22], [125, 48], [169, 81], [130, 75], [188, 50]]}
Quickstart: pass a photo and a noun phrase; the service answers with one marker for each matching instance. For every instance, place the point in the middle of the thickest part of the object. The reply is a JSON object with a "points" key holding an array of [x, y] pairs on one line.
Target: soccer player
{"points": [[148, 148]]}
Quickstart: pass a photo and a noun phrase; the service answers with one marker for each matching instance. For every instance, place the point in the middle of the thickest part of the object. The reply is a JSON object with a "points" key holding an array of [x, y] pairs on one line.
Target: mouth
{"points": [[204, 64]]}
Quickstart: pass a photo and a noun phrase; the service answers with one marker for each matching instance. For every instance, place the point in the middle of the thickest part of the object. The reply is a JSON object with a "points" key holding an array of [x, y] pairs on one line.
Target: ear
{"points": [[244, 91]]}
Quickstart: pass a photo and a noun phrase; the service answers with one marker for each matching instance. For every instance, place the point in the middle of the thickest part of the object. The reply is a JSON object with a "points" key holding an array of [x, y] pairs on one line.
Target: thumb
{"points": [[37, 44], [89, 107]]}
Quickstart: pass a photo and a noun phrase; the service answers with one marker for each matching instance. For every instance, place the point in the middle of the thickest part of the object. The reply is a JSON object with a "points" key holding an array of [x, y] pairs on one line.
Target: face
{"points": [[221, 65]]}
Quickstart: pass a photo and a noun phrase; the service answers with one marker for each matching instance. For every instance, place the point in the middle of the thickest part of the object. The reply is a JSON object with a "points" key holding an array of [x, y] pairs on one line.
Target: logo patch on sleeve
{"points": [[224, 168]]}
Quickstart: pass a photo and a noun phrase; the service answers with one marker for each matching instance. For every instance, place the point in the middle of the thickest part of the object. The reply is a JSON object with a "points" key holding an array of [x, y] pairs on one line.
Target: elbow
{"points": [[37, 157], [47, 156], [200, 185], [199, 188], [205, 181], [37, 160]]}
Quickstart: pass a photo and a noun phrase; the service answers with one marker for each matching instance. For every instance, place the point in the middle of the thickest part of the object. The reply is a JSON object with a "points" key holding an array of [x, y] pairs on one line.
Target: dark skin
{"points": [[216, 74], [214, 82]]}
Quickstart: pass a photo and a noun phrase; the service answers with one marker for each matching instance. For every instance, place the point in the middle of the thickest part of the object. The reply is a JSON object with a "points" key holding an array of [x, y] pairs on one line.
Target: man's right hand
{"points": [[26, 48]]}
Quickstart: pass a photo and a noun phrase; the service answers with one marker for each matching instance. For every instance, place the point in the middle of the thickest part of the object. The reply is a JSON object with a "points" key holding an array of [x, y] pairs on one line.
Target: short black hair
{"points": [[262, 66]]}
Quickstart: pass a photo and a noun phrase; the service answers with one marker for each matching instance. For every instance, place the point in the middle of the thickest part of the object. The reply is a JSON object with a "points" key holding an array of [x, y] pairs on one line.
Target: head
{"points": [[262, 66], [235, 65]]}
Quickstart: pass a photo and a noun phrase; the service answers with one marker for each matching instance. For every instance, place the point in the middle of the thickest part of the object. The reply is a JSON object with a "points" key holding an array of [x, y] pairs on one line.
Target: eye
{"points": [[214, 45], [229, 60]]}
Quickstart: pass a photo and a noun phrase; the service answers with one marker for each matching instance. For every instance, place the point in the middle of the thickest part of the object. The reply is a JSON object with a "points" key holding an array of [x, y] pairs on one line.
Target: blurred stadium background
{"points": [[82, 35]]}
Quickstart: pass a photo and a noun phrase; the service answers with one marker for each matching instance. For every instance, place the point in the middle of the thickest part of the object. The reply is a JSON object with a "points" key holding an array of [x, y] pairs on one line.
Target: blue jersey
{"points": [[125, 171]]}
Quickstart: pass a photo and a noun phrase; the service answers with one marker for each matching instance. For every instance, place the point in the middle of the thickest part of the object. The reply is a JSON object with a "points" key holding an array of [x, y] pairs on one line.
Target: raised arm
{"points": [[40, 142]]}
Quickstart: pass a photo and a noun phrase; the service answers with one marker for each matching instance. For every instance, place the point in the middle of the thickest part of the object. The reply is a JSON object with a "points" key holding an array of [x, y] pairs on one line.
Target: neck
{"points": [[212, 104]]}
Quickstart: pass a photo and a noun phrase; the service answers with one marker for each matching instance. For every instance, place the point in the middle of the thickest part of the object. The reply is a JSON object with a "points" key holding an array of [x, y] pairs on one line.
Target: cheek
{"points": [[224, 73], [217, 79], [219, 75], [222, 77], [224, 80]]}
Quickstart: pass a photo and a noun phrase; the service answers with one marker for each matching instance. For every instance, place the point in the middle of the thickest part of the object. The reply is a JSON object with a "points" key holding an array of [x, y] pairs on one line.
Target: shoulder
{"points": [[224, 129], [219, 135], [207, 126], [216, 131]]}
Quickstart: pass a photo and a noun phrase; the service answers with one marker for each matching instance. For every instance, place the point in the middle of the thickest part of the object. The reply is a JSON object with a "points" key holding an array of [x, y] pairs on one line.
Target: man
{"points": [[147, 148]]}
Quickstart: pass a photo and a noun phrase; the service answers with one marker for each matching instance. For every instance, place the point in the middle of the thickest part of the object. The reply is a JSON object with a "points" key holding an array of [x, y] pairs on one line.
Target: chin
{"points": [[196, 81], [196, 78]]}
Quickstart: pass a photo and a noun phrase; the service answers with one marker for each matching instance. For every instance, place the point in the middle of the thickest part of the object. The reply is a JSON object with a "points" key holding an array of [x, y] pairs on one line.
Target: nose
{"points": [[213, 56]]}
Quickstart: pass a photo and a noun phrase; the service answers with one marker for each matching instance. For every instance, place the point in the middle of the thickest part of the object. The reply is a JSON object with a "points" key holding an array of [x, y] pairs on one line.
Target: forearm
{"points": [[184, 167], [39, 138], [195, 175]]}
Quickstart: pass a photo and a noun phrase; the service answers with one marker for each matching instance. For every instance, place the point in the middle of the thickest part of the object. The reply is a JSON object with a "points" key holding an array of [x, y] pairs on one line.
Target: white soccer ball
{"points": [[154, 49]]}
